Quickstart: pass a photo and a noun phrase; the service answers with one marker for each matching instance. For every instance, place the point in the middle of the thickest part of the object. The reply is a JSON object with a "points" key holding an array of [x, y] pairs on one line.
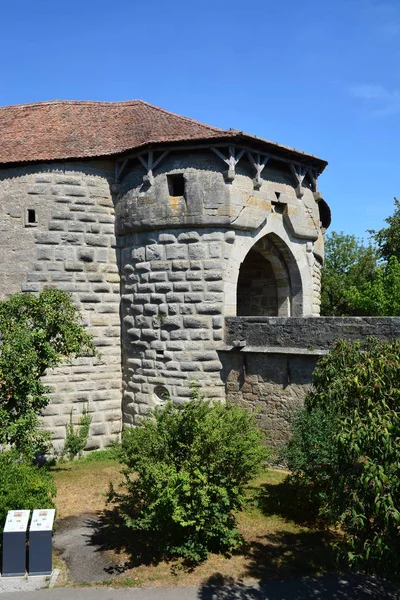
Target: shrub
{"points": [[76, 436], [186, 469], [36, 333], [23, 486], [346, 448]]}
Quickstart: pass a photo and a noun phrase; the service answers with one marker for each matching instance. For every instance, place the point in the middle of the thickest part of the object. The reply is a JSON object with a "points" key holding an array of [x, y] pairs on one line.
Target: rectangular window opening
{"points": [[176, 184], [278, 207], [30, 218]]}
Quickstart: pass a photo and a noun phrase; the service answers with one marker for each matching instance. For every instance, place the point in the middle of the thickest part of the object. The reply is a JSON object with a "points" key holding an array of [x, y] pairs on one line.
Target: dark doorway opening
{"points": [[257, 293]]}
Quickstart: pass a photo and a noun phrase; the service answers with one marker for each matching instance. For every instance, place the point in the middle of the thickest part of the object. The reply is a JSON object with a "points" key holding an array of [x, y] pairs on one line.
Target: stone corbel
{"points": [[299, 173], [231, 161], [258, 161]]}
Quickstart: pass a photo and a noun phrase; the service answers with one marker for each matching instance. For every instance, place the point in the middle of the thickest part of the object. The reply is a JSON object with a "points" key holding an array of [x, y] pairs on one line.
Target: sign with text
{"points": [[42, 519], [17, 520]]}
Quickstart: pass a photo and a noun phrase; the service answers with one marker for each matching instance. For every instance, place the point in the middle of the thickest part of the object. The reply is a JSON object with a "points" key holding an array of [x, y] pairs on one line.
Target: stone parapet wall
{"points": [[268, 361], [71, 246], [307, 332]]}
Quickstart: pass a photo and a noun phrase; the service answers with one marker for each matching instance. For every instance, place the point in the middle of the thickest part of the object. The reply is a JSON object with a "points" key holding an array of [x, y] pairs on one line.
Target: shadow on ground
{"points": [[109, 533], [271, 556], [331, 587], [289, 501]]}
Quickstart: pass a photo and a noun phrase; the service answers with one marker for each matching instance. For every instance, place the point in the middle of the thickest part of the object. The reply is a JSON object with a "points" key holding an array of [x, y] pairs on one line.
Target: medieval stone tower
{"points": [[161, 228]]}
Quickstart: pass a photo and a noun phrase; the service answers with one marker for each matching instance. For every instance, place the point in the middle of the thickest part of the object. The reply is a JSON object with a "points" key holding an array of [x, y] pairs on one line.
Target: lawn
{"points": [[279, 544]]}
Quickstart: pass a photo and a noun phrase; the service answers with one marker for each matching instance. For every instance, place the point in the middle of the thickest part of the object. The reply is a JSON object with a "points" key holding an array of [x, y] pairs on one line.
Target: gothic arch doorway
{"points": [[269, 282]]}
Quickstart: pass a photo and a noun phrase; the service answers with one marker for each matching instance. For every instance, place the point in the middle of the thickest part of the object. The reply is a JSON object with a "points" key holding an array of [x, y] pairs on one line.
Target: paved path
{"points": [[325, 588], [86, 562]]}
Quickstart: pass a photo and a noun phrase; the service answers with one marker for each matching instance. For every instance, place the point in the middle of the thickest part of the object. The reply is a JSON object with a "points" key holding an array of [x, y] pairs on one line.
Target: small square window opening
{"points": [[176, 184]]}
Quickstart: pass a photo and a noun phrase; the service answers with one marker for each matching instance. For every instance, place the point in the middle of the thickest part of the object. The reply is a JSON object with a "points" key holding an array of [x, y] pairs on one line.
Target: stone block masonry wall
{"points": [[172, 324], [268, 361], [71, 246], [271, 385]]}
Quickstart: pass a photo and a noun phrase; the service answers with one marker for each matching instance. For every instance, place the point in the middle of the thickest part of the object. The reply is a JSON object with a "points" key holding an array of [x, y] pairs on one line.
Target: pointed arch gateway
{"points": [[269, 282]]}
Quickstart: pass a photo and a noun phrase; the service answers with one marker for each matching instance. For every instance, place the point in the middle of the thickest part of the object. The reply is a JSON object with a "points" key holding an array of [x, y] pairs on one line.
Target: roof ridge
{"points": [[169, 112], [73, 102]]}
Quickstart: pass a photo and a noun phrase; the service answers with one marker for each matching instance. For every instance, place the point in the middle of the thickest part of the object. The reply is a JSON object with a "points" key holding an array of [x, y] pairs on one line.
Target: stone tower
{"points": [[160, 227]]}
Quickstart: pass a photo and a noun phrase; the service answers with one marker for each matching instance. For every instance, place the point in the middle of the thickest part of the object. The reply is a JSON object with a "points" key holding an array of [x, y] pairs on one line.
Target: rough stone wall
{"points": [[268, 362], [209, 201], [316, 285], [307, 334], [179, 257], [256, 288], [172, 306], [270, 385], [180, 262], [71, 247]]}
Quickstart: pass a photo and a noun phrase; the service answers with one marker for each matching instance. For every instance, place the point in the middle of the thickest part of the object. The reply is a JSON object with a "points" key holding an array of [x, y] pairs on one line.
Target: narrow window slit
{"points": [[31, 216]]}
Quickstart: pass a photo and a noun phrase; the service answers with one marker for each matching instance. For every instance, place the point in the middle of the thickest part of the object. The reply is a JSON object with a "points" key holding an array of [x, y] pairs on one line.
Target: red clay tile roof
{"points": [[63, 129]]}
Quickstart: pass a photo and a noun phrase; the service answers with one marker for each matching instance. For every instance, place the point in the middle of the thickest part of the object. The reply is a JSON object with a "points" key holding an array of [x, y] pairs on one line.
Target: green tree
{"points": [[381, 296], [345, 450], [388, 238], [348, 264], [36, 333]]}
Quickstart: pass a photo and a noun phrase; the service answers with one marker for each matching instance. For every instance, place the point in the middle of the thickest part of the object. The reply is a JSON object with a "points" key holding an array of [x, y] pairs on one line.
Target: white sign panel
{"points": [[17, 520], [42, 519]]}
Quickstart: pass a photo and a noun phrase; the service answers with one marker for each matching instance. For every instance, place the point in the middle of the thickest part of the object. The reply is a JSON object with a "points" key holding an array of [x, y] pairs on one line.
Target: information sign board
{"points": [[42, 520], [17, 520]]}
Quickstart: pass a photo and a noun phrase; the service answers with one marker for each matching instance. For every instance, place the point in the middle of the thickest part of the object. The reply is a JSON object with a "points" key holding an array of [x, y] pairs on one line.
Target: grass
{"points": [[82, 484], [279, 542]]}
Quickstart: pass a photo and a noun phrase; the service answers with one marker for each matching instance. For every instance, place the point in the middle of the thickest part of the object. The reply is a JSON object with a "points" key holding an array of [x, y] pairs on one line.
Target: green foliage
{"points": [[77, 436], [36, 333], [311, 454], [23, 486], [381, 296], [348, 264], [107, 454], [186, 468], [346, 449], [388, 238]]}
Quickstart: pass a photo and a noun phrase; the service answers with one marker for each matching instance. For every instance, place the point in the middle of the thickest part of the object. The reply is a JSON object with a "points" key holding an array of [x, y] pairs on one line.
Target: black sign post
{"points": [[14, 543]]}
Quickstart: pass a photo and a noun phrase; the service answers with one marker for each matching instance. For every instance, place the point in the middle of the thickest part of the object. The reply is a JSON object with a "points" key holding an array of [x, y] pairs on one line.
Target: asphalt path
{"points": [[324, 588]]}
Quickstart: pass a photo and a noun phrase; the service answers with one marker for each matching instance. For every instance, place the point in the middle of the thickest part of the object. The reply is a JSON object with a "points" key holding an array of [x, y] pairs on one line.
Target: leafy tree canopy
{"points": [[345, 450], [36, 333], [348, 264], [381, 295], [388, 238]]}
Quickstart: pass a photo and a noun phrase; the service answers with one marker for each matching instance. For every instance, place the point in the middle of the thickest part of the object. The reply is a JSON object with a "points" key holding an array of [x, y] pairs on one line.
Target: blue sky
{"points": [[320, 75]]}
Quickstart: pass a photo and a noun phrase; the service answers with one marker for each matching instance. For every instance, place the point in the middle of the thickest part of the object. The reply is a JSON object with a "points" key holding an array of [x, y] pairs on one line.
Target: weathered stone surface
{"points": [[268, 362], [155, 296]]}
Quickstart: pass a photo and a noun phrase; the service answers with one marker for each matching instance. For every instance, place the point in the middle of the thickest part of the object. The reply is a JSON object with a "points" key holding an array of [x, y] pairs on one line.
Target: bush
{"points": [[346, 449], [186, 469], [36, 333], [76, 437], [23, 486]]}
